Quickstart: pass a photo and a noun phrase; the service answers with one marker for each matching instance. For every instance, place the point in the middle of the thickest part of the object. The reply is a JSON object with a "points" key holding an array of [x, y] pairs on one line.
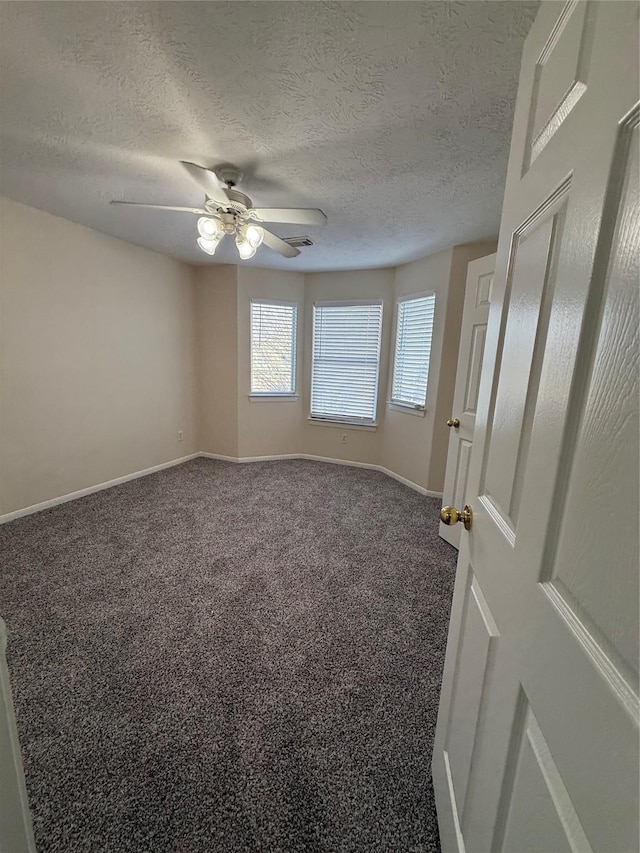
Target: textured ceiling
{"points": [[392, 117]]}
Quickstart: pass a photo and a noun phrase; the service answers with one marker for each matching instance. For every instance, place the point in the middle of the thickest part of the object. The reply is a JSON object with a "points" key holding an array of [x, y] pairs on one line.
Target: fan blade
{"points": [[198, 210], [296, 216], [208, 181], [275, 242]]}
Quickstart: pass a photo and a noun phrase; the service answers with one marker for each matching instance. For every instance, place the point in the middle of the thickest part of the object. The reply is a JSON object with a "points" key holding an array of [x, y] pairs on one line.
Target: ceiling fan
{"points": [[228, 211]]}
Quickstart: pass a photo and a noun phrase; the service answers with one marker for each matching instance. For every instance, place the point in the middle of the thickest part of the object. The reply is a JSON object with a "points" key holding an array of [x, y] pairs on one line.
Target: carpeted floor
{"points": [[222, 658]]}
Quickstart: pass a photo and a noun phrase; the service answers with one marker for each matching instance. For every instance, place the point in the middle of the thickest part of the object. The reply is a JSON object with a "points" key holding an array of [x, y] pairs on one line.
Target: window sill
{"points": [[274, 398], [325, 422], [407, 410]]}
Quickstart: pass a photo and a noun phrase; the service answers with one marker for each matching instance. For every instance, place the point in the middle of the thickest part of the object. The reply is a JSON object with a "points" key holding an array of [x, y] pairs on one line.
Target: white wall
{"points": [[97, 358]]}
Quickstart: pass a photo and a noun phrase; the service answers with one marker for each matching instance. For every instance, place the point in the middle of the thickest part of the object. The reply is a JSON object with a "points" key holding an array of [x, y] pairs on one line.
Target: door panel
{"points": [[561, 73], [462, 472], [603, 452], [552, 824], [16, 830], [553, 475], [465, 399], [483, 289], [478, 335], [528, 300], [469, 680]]}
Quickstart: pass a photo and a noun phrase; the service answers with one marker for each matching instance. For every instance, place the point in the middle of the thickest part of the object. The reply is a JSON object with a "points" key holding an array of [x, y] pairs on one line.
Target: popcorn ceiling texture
{"points": [[393, 117]]}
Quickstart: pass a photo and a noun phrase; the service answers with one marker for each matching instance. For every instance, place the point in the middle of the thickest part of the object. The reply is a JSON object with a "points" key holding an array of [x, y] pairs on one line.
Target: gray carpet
{"points": [[228, 658]]}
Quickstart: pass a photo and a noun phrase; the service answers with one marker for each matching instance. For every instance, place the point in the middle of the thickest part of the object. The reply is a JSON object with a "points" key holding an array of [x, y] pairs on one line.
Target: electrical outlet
{"points": [[344, 437], [180, 435]]}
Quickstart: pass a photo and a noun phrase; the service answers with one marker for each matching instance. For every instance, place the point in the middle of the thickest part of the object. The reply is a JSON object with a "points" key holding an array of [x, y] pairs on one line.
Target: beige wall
{"points": [[363, 444], [276, 427], [408, 435], [415, 446], [267, 427], [108, 350], [216, 312], [97, 358]]}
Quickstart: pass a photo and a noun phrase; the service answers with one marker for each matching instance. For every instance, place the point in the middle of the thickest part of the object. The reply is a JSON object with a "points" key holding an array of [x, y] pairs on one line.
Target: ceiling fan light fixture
{"points": [[208, 246], [226, 210], [254, 235], [209, 229], [245, 249]]}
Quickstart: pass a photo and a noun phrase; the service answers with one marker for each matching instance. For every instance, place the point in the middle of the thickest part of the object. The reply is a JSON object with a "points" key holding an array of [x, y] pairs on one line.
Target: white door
{"points": [[537, 737], [475, 315], [16, 831]]}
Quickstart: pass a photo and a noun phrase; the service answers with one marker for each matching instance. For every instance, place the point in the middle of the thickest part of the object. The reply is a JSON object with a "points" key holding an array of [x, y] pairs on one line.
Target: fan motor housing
{"points": [[238, 203], [228, 174]]}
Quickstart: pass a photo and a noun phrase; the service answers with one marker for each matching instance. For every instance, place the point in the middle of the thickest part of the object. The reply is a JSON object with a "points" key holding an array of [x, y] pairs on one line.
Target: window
{"points": [[273, 348], [414, 332], [346, 361]]}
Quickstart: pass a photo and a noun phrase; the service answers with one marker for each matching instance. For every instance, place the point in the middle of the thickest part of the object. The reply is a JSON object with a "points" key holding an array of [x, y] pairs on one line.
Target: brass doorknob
{"points": [[451, 515], [453, 422]]}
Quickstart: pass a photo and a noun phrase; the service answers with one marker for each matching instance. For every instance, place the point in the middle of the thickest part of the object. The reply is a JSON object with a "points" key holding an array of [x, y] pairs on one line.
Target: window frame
{"points": [[274, 396], [407, 407], [330, 420]]}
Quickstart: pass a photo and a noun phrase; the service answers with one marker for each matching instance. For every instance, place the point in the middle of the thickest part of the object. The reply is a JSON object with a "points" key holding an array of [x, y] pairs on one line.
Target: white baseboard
{"points": [[426, 492], [349, 462], [249, 458], [218, 456], [72, 496], [81, 493]]}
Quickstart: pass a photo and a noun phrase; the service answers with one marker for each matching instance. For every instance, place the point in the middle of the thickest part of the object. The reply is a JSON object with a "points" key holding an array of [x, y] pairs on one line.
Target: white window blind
{"points": [[346, 361], [273, 347], [414, 333]]}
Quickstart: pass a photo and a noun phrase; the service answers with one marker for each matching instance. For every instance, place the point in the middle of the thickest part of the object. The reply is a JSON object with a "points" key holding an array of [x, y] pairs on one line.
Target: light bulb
{"points": [[209, 229], [254, 235], [208, 246], [245, 249]]}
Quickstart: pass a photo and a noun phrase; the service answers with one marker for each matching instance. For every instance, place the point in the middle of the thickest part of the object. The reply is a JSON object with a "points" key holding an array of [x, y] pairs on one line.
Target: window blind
{"points": [[414, 334], [273, 347], [345, 360]]}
